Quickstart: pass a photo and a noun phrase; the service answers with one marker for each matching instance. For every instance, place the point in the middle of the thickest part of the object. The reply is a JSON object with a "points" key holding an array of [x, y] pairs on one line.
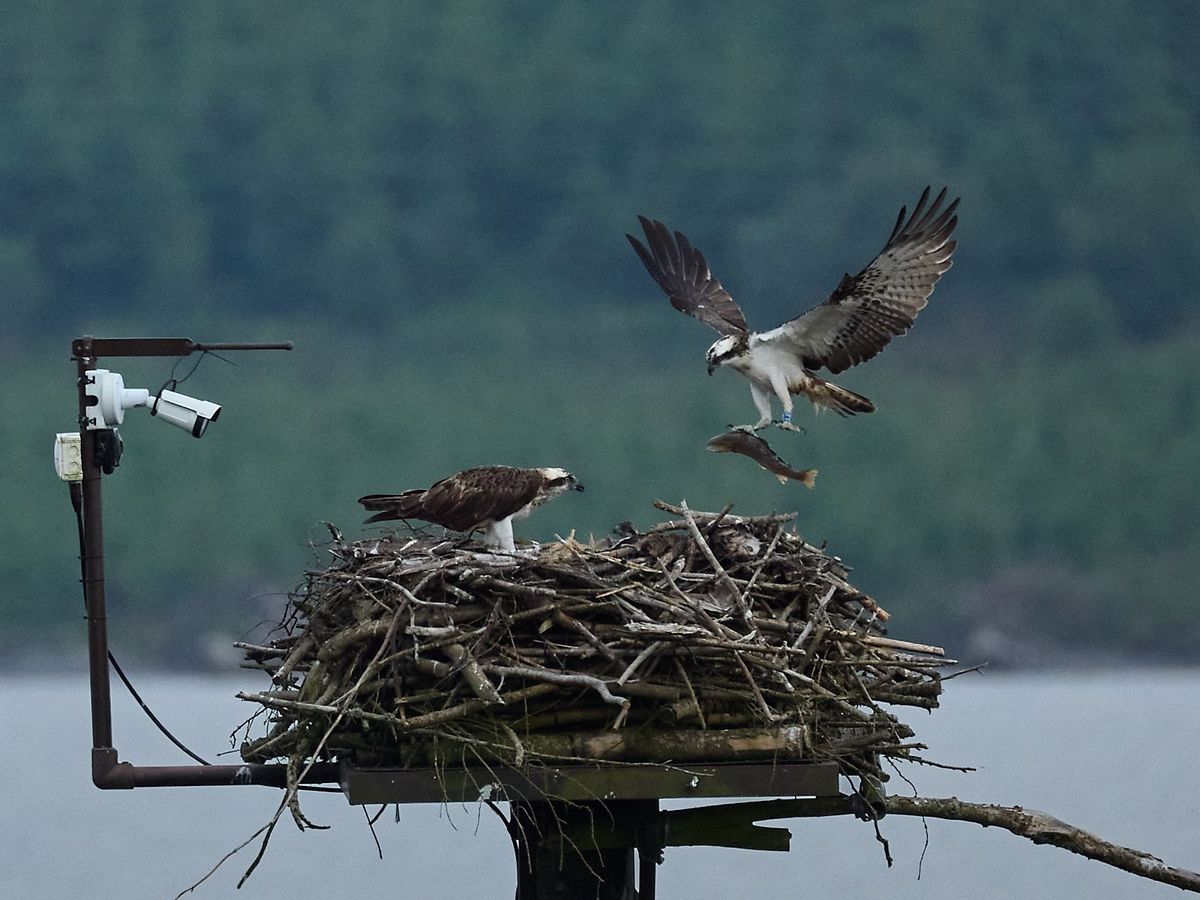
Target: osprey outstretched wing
{"points": [[868, 309], [858, 319], [486, 497], [680, 270]]}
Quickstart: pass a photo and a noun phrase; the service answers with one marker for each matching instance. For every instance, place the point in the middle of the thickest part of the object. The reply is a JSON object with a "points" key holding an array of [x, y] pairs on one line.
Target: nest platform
{"points": [[709, 638]]}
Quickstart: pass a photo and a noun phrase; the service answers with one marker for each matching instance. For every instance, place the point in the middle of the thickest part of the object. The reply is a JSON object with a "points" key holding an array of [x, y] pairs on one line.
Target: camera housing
{"points": [[185, 412], [108, 398]]}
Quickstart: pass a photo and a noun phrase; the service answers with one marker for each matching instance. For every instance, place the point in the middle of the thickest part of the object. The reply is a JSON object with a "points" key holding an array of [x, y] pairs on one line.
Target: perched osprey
{"points": [[865, 311], [487, 497]]}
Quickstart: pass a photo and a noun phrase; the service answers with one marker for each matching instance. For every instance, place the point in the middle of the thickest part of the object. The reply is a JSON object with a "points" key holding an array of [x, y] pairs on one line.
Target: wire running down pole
{"points": [[107, 771]]}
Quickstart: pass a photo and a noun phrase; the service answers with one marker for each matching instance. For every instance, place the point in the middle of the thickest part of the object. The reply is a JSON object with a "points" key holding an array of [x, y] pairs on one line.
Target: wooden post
{"points": [[568, 850]]}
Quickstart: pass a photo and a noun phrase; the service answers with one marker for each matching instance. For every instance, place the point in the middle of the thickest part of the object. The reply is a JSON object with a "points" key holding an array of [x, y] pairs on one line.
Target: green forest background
{"points": [[430, 200]]}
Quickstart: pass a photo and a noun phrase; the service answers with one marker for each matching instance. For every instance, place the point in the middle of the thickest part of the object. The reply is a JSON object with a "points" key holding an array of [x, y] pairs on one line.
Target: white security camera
{"points": [[110, 398], [185, 412]]}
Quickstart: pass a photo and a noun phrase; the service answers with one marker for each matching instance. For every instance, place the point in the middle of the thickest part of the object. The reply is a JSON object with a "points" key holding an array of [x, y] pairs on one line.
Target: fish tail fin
{"points": [[808, 478]]}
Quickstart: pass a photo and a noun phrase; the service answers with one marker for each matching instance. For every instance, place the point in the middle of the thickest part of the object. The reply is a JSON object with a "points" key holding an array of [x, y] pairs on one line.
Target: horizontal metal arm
{"points": [[109, 774], [281, 345], [94, 348]]}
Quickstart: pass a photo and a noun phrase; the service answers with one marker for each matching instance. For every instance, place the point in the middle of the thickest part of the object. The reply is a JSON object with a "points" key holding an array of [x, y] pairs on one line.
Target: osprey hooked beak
{"points": [[711, 365]]}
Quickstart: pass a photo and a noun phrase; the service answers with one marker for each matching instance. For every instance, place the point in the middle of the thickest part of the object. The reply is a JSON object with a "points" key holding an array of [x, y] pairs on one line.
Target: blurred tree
{"points": [[431, 201]]}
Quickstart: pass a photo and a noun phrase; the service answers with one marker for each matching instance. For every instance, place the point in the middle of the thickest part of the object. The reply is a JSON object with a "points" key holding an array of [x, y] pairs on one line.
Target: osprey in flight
{"points": [[863, 313], [486, 497]]}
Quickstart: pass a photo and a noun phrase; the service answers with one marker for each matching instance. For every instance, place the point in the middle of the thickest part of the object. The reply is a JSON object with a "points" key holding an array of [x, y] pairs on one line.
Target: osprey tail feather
{"points": [[392, 506], [827, 394]]}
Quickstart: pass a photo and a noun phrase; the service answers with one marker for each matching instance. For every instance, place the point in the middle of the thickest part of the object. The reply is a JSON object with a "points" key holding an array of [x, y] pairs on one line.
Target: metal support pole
{"points": [[93, 563]]}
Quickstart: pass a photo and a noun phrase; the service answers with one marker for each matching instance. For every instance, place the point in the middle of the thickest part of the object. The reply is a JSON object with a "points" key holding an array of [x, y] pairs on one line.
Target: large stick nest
{"points": [[710, 638]]}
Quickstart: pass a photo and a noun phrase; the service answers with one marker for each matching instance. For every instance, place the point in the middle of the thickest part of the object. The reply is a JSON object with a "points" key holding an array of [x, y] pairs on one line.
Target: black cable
{"points": [[196, 365], [77, 503], [172, 382], [150, 713]]}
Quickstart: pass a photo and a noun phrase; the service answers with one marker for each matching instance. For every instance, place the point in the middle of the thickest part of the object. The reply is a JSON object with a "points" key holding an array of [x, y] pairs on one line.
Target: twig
{"points": [[736, 595], [691, 692], [220, 862], [560, 678], [638, 660], [758, 569], [472, 673]]}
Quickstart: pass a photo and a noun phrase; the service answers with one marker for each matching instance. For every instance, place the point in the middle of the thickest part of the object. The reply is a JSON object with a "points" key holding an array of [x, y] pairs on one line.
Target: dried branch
{"points": [[1045, 829], [561, 678]]}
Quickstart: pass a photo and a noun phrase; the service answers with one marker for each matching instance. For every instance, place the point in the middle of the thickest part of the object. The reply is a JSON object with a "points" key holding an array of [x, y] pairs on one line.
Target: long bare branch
{"points": [[1042, 828]]}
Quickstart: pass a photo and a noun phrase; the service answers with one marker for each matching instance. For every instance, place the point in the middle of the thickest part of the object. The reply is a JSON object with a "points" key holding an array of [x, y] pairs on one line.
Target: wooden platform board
{"points": [[581, 782]]}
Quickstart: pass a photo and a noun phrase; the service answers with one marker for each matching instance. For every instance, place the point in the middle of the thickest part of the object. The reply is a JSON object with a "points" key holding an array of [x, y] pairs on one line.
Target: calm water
{"points": [[1111, 753]]}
